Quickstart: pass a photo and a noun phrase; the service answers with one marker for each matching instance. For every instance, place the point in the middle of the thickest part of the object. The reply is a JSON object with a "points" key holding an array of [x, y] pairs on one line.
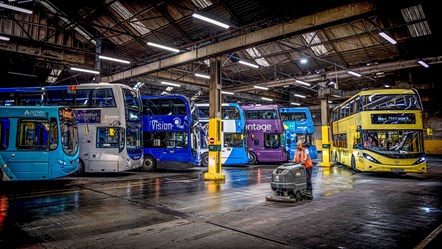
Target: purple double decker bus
{"points": [[265, 134]]}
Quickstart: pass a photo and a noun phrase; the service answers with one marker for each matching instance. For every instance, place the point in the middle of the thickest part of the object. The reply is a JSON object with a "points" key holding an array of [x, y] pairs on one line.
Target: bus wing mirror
{"points": [[357, 135]]}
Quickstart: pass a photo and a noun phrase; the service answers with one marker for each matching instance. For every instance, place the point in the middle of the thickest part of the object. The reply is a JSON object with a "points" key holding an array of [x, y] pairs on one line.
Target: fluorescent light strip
{"points": [[23, 74], [268, 99], [302, 83], [229, 93], [205, 76], [261, 87], [223, 25], [170, 84], [299, 95], [248, 64], [294, 103], [163, 47], [387, 37], [113, 59], [4, 38], [84, 70], [7, 6], [423, 63], [355, 74]]}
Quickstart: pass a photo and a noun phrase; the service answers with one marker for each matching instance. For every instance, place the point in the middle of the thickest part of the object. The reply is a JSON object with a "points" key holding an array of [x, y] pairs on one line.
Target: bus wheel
{"points": [[353, 164], [149, 164], [80, 170], [205, 160], [252, 158]]}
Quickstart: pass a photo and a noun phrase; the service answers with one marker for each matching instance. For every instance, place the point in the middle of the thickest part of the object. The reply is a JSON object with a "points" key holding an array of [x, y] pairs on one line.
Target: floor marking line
{"points": [[430, 237]]}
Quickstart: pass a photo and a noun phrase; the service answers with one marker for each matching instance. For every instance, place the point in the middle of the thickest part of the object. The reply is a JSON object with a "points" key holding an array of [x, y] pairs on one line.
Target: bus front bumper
{"points": [[395, 168]]}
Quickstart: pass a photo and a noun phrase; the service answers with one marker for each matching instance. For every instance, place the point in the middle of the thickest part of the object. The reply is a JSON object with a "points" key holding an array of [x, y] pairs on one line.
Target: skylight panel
{"points": [[201, 4], [412, 15], [126, 14], [312, 39], [256, 55]]}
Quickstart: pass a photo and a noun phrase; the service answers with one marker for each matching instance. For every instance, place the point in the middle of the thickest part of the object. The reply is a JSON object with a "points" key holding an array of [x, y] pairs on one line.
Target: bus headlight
{"points": [[421, 160], [62, 162], [370, 158]]}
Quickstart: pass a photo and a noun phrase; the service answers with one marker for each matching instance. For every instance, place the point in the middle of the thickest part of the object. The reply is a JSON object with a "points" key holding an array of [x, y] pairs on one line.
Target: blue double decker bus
{"points": [[233, 145], [298, 126], [171, 133], [37, 142]]}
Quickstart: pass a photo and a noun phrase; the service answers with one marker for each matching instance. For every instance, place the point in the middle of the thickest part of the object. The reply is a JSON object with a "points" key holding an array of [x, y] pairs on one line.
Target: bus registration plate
{"points": [[397, 170]]}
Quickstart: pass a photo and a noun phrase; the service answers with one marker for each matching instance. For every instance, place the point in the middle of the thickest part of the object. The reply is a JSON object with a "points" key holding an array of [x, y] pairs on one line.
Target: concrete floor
{"points": [[181, 210]]}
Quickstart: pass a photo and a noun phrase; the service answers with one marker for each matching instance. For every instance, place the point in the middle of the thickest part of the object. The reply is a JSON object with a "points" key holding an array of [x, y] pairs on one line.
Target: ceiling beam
{"points": [[366, 71], [315, 21]]}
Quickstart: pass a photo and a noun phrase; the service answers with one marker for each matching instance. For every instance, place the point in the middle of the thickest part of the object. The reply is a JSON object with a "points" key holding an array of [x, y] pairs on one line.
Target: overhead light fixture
{"points": [[300, 96], [248, 64], [23, 74], [261, 87], [163, 47], [355, 74], [267, 99], [286, 86], [7, 6], [84, 70], [205, 76], [223, 25], [423, 63], [170, 84], [113, 59], [294, 103], [4, 38], [229, 93], [303, 61], [302, 83], [388, 38]]}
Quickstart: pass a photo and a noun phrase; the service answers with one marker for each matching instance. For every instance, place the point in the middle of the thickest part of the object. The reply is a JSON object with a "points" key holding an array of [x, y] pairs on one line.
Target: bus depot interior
{"points": [[193, 124]]}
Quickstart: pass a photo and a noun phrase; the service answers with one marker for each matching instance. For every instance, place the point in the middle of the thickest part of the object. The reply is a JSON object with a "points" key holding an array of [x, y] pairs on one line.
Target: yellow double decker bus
{"points": [[380, 131]]}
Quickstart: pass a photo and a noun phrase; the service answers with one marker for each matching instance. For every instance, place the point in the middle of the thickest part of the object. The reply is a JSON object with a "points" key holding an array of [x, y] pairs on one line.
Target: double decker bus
{"points": [[233, 145], [171, 133], [298, 126], [109, 121], [265, 134], [380, 131], [37, 142]]}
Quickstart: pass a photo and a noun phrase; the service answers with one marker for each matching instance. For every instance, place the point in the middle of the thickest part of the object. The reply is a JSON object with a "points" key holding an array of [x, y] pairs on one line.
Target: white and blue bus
{"points": [[298, 126], [37, 142], [233, 145], [109, 121], [171, 133]]}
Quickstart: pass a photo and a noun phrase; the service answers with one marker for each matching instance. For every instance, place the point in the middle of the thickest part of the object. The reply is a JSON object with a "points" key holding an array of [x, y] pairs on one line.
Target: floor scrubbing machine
{"points": [[289, 183]]}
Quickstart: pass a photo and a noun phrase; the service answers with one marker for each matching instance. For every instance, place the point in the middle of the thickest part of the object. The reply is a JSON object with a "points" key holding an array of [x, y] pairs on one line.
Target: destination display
{"points": [[405, 118]]}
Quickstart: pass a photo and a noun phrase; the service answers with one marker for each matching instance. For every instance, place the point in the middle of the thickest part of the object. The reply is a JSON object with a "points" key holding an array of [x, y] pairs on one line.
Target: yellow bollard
{"points": [[326, 147], [214, 168]]}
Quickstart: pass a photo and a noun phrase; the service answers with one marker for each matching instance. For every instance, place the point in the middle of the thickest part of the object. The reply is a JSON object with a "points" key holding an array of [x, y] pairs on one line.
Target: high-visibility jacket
{"points": [[369, 145], [303, 158]]}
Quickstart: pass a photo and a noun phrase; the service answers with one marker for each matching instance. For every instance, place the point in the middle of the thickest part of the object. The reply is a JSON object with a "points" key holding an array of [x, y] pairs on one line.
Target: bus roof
{"points": [[260, 107], [379, 91], [59, 87], [294, 109], [223, 104], [172, 96]]}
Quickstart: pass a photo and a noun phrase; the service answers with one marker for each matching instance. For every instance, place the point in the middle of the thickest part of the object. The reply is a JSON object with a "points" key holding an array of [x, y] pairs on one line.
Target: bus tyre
{"points": [[80, 170], [149, 164], [353, 164], [252, 158], [205, 160]]}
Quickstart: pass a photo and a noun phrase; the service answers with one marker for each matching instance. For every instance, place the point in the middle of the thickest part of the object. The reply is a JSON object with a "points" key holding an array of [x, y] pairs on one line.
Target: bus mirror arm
{"points": [[429, 131]]}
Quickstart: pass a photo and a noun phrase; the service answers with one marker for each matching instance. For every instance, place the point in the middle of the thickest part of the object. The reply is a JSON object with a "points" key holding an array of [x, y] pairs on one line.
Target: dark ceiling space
{"points": [[334, 37]]}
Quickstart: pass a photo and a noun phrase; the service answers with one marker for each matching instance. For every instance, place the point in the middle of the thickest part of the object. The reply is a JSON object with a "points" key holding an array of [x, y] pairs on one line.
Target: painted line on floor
{"points": [[429, 238]]}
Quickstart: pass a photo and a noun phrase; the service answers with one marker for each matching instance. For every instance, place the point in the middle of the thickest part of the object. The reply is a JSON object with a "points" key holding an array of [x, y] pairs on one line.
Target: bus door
{"points": [[272, 151], [30, 158]]}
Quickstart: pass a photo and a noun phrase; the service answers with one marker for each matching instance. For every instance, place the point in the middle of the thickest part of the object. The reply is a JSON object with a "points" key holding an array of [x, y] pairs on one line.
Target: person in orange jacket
{"points": [[302, 156]]}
